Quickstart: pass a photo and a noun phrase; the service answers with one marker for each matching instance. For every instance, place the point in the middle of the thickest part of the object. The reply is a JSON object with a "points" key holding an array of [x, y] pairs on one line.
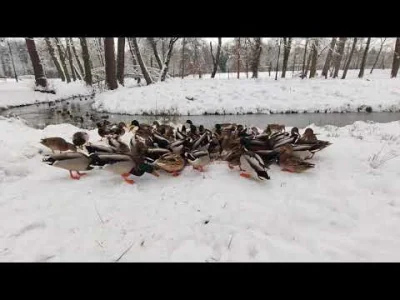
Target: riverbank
{"points": [[375, 92]]}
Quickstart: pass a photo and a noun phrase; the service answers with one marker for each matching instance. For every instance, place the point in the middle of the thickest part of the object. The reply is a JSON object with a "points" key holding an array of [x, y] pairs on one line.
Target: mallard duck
{"points": [[177, 146], [80, 138], [119, 145], [198, 159], [253, 165], [102, 130], [124, 165], [171, 163], [165, 130], [71, 161], [100, 149], [146, 127], [309, 137], [57, 143], [292, 139], [291, 163], [272, 128], [155, 153], [231, 151]]}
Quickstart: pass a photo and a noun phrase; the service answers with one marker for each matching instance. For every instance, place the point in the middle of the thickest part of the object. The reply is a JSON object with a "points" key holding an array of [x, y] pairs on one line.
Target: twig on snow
{"points": [[122, 255], [230, 241], [98, 214]]}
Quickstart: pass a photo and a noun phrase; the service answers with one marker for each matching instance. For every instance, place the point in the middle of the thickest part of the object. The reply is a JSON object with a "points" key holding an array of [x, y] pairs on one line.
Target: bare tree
{"points": [[238, 46], [294, 59], [12, 61], [167, 58], [86, 61], [77, 57], [153, 45], [328, 58], [145, 72], [314, 58], [277, 61], [98, 43], [109, 57], [304, 59], [396, 59], [40, 78], [216, 58], [183, 57], [364, 59], [346, 68], [287, 44], [255, 57], [132, 52], [70, 59], [338, 56], [55, 59], [379, 53], [62, 59], [308, 64], [121, 60]]}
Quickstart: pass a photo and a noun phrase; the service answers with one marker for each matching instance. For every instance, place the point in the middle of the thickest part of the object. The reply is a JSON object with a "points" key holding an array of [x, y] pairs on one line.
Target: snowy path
{"points": [[343, 210]]}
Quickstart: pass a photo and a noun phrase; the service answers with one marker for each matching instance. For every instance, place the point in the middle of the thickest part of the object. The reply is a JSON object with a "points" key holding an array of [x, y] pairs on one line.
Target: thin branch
{"points": [[123, 253]]}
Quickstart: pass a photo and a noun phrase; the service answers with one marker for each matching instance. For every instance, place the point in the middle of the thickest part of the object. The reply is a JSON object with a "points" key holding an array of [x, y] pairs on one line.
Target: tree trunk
{"points": [[100, 50], [109, 57], [12, 61], [121, 60], [238, 58], [287, 44], [86, 61], [313, 69], [304, 58], [346, 68], [255, 57], [40, 78], [145, 72], [308, 64], [277, 61], [338, 56], [55, 59], [364, 59], [377, 57], [183, 58], [153, 45], [132, 52], [70, 59], [167, 59], [77, 57], [294, 61], [396, 59], [383, 61], [62, 59], [328, 60], [216, 58]]}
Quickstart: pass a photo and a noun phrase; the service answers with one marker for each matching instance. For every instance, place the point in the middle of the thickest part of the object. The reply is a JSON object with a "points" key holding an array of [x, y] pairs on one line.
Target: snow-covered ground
{"points": [[14, 93], [346, 209], [196, 96]]}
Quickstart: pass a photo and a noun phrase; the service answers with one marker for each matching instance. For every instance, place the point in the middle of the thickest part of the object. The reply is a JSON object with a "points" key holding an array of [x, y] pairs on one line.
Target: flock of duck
{"points": [[163, 147]]}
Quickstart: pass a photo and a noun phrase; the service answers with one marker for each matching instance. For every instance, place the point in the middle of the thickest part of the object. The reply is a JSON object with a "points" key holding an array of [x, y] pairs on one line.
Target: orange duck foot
{"points": [[245, 175]]}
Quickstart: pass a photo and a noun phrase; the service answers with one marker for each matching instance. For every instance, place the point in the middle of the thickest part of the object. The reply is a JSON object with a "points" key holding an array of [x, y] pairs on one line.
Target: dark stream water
{"points": [[82, 115]]}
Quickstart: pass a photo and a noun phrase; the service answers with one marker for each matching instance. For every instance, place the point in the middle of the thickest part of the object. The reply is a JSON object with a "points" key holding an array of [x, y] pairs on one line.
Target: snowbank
{"points": [[21, 93], [263, 95], [346, 209]]}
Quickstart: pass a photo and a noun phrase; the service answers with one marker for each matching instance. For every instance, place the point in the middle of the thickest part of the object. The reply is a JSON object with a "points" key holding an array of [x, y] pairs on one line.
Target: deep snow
{"points": [[14, 93], [196, 96], [346, 209]]}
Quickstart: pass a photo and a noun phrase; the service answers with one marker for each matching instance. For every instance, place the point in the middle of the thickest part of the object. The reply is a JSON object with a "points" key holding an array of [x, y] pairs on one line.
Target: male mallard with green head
{"points": [[71, 161]]}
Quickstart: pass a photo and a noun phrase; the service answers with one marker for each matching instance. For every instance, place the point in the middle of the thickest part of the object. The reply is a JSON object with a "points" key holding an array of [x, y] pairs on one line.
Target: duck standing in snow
{"points": [[71, 161], [198, 159], [289, 162], [253, 166], [57, 143]]}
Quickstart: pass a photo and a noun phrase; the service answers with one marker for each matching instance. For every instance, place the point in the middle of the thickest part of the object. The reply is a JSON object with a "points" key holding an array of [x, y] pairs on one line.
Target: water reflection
{"points": [[78, 112]]}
